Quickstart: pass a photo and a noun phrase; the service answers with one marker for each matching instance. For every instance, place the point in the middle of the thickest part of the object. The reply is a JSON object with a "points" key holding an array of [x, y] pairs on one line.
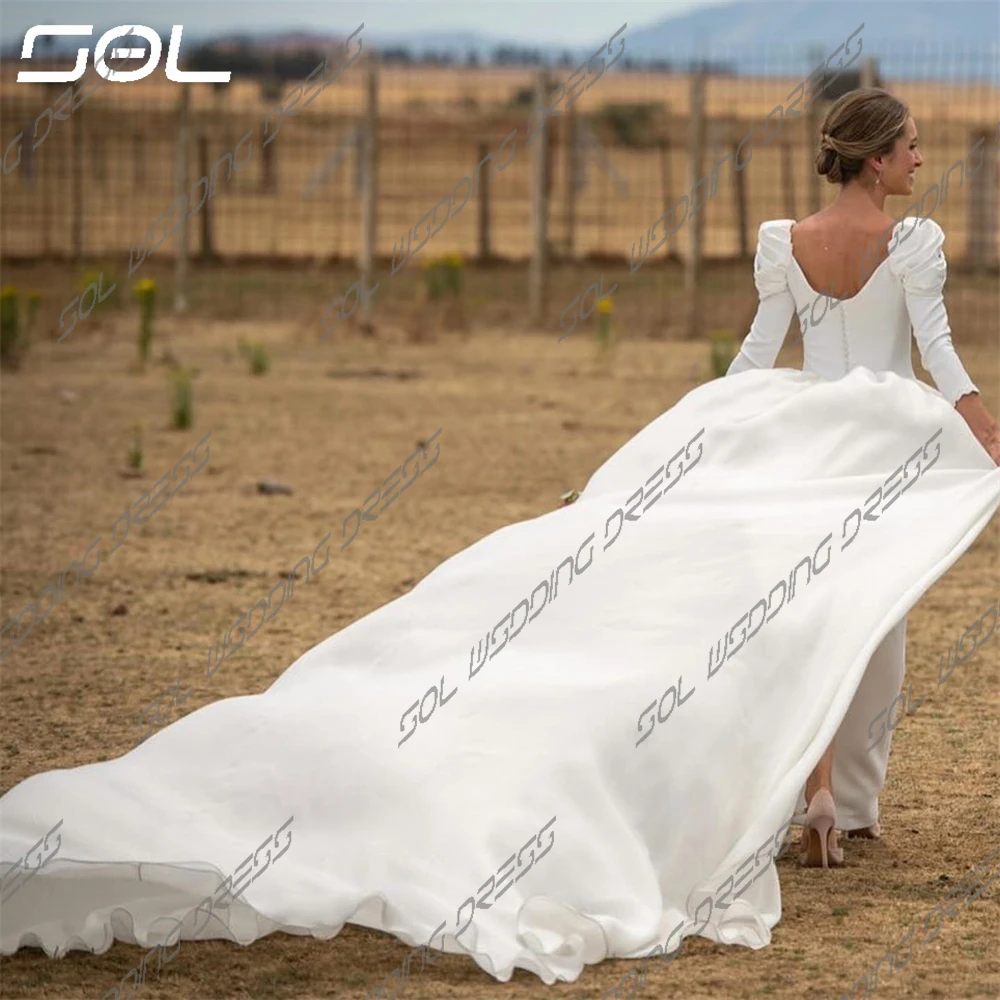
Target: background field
{"points": [[99, 180], [524, 418]]}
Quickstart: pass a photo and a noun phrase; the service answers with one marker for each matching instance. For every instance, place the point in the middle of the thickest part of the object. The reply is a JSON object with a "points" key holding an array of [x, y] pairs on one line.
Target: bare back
{"points": [[838, 251]]}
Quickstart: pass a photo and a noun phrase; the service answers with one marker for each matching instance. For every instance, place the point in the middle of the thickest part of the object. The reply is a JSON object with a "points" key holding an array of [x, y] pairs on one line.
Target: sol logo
{"points": [[155, 51]]}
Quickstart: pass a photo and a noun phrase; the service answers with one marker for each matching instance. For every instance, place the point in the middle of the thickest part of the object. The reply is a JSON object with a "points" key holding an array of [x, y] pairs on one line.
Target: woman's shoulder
{"points": [[779, 229], [917, 244], [774, 237], [916, 255], [924, 226], [774, 255]]}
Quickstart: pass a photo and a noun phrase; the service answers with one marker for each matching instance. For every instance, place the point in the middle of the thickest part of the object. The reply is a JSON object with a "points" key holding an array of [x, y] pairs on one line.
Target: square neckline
{"points": [[871, 277]]}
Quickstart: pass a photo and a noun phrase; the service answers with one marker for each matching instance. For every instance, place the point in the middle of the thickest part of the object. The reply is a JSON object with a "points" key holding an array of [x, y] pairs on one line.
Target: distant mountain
{"points": [[958, 39], [908, 39], [925, 39]]}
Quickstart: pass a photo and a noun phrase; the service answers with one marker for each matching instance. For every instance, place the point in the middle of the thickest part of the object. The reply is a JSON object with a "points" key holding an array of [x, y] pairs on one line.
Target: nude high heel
{"points": [[819, 835]]}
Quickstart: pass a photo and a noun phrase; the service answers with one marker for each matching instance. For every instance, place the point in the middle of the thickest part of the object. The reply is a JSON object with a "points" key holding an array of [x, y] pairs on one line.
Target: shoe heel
{"points": [[820, 821], [821, 827]]}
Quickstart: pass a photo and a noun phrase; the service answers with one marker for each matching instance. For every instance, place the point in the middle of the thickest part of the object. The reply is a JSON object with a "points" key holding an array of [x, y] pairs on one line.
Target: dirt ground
{"points": [[524, 418]]}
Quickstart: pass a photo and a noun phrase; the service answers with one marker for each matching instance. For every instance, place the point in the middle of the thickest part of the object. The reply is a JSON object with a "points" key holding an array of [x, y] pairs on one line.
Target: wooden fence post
{"points": [[271, 91], [483, 204], [571, 173], [77, 168], [183, 188], [667, 189], [740, 198], [788, 180], [368, 149], [696, 226], [982, 249], [813, 119], [138, 161], [539, 207], [207, 245], [667, 193]]}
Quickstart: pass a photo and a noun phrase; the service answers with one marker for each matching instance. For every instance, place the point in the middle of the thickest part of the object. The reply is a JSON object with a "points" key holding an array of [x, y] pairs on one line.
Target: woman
{"points": [[519, 798], [868, 145]]}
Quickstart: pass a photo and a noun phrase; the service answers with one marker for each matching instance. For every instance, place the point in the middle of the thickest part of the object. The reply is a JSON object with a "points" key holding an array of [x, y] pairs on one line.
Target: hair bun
{"points": [[828, 144], [863, 123], [828, 159]]}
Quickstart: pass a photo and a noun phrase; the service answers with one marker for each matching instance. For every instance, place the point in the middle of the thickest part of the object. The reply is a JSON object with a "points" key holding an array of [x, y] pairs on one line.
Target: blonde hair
{"points": [[863, 123]]}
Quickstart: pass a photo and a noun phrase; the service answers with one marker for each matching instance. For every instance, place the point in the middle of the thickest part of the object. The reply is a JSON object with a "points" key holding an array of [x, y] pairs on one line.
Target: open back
{"points": [[871, 329]]}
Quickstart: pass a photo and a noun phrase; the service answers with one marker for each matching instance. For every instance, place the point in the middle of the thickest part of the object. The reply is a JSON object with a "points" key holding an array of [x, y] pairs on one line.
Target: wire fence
{"points": [[345, 178]]}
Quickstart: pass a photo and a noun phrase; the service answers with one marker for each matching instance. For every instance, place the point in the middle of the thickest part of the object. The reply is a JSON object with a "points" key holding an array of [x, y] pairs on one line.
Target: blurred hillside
{"points": [[921, 40]]}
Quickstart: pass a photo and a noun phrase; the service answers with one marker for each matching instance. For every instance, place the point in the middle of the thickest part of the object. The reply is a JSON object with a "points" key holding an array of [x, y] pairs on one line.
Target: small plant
{"points": [[260, 360], [145, 291], [182, 398], [443, 275], [256, 354], [105, 278], [135, 457], [11, 344], [724, 350], [605, 335]]}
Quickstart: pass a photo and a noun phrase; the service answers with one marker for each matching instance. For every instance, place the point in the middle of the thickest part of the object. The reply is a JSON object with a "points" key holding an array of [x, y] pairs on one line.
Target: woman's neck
{"points": [[857, 194]]}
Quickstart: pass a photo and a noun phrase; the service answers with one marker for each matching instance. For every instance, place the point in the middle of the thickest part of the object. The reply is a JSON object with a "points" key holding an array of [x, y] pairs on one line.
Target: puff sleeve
{"points": [[917, 260], [770, 275]]}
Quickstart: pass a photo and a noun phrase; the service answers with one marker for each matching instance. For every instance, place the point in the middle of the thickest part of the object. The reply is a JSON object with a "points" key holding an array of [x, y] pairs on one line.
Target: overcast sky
{"points": [[572, 22]]}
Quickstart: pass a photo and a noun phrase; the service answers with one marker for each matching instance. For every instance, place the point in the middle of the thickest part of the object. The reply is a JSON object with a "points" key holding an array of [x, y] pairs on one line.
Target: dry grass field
{"points": [[524, 418]]}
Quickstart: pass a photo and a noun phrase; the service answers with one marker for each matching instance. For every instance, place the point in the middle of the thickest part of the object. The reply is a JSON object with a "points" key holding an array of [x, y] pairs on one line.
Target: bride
{"points": [[597, 790]]}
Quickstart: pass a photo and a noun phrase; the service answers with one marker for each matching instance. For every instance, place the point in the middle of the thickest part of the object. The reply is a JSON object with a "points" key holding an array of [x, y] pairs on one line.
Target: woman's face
{"points": [[898, 170]]}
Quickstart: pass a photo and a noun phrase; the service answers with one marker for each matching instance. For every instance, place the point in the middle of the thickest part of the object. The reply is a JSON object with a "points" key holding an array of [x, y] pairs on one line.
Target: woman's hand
{"points": [[992, 445], [987, 431]]}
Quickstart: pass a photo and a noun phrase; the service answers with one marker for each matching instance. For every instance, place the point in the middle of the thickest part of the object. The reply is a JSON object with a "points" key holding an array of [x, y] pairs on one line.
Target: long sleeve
{"points": [[918, 261], [774, 312]]}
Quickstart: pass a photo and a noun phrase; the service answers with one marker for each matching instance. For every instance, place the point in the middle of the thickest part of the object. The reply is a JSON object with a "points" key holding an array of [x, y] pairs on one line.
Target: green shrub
{"points": [[135, 455], [260, 360], [145, 290], [256, 354], [724, 350], [11, 343], [182, 398], [105, 279], [443, 276]]}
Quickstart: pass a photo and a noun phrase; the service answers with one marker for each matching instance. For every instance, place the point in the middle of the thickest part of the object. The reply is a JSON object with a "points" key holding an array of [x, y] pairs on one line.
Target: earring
{"points": [[878, 179]]}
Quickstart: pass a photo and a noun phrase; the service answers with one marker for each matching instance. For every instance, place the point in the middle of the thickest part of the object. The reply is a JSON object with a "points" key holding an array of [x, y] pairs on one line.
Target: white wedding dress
{"points": [[870, 329], [410, 809]]}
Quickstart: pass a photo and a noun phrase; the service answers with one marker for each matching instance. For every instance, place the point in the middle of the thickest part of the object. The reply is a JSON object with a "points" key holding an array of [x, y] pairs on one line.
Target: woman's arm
{"points": [[987, 431], [776, 304], [923, 270], [767, 333]]}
